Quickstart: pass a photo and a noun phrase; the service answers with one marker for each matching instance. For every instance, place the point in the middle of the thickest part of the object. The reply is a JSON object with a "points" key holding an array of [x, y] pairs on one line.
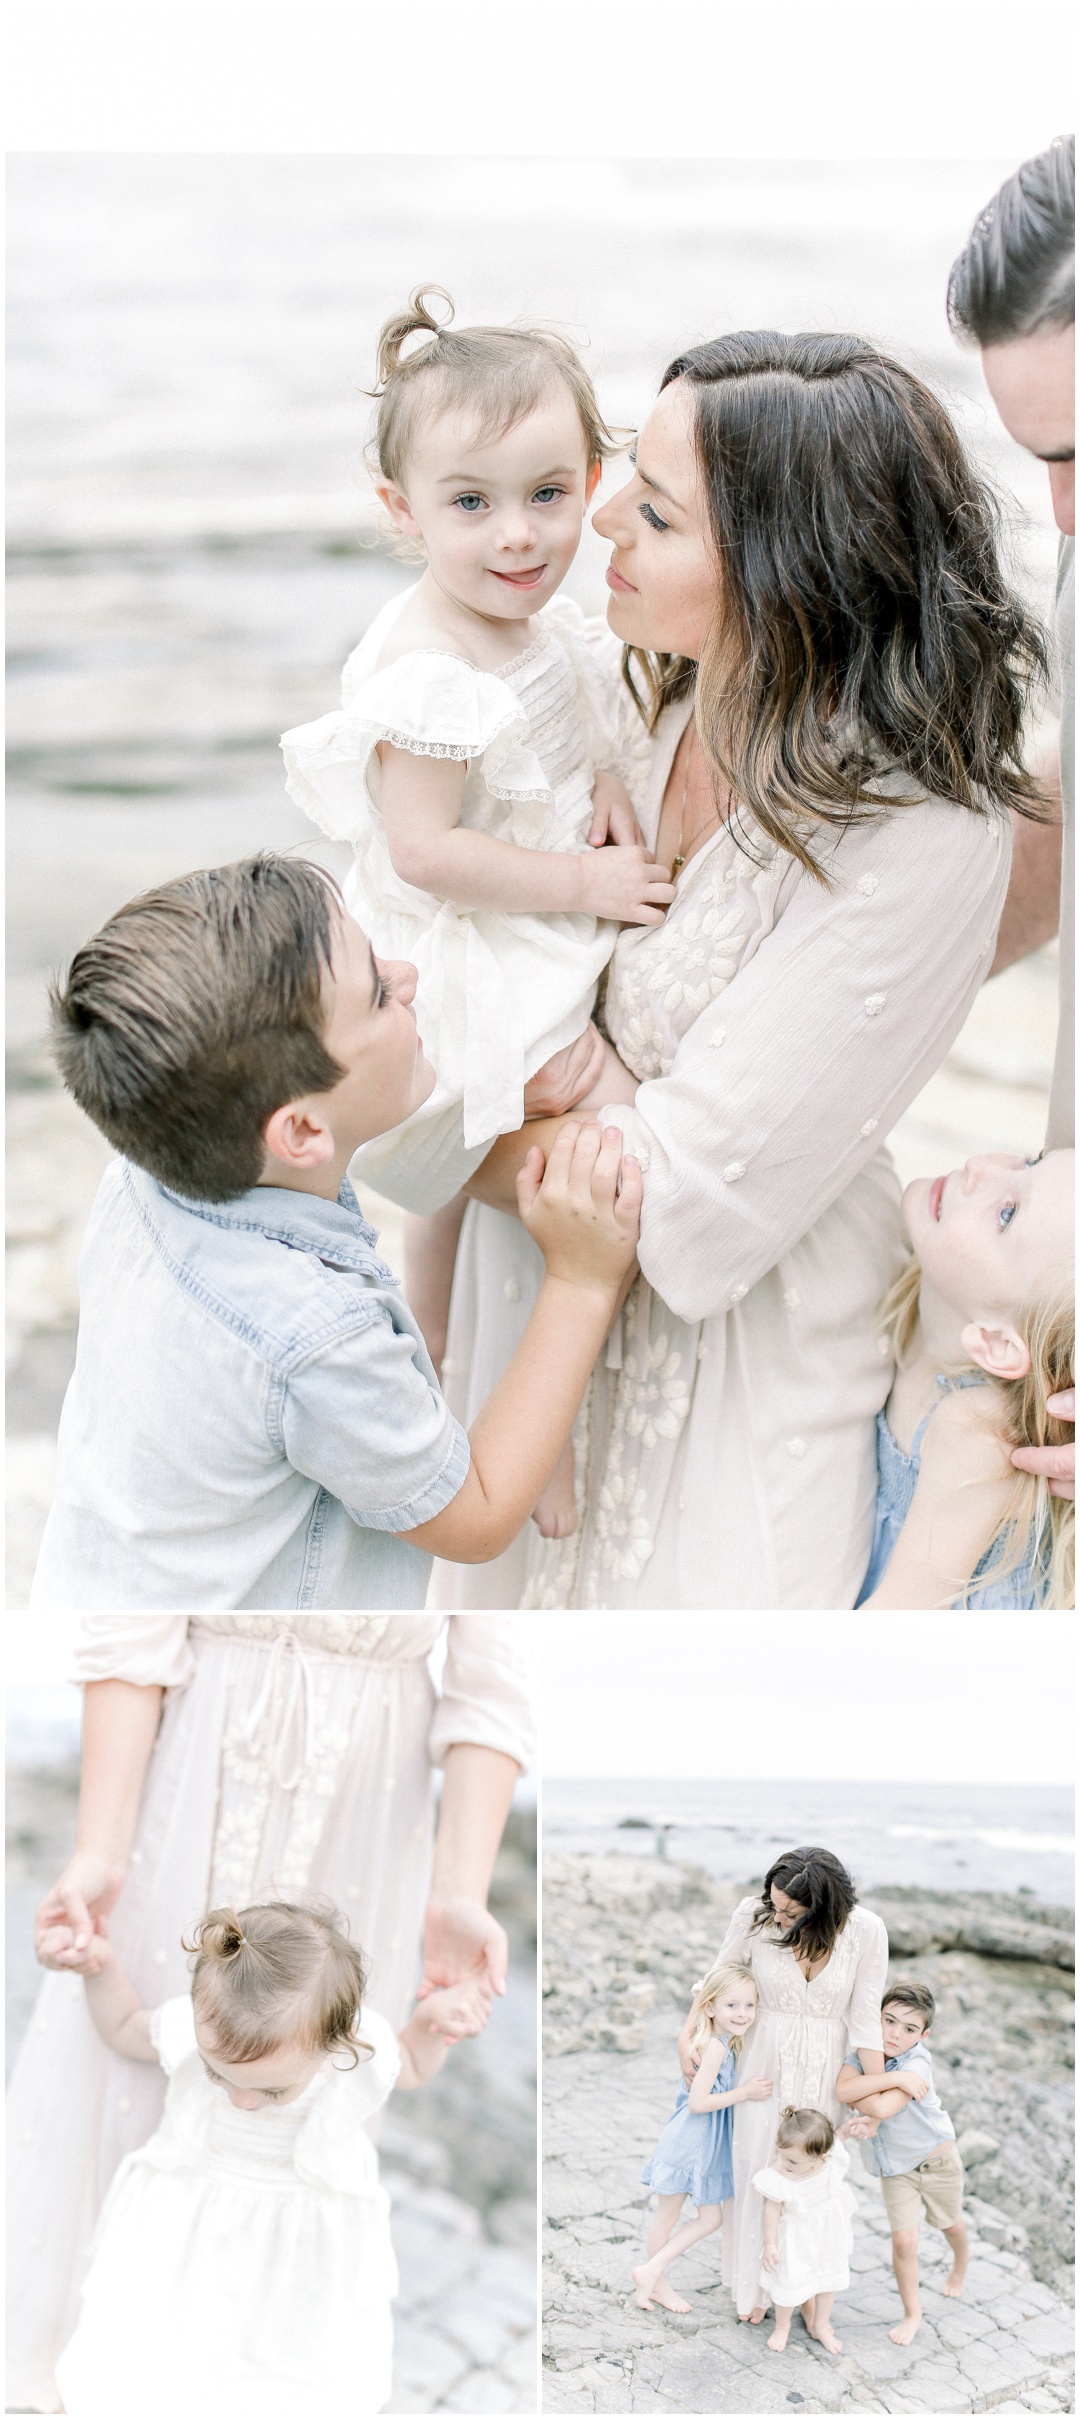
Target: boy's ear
{"points": [[397, 505], [296, 1138], [1001, 1351], [593, 476]]}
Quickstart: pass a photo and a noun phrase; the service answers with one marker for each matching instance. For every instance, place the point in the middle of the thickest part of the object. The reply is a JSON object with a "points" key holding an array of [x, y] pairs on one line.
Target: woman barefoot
{"points": [[692, 2158]]}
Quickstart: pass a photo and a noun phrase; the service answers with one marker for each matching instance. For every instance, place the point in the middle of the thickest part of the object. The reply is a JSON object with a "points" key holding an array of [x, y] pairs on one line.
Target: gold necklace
{"points": [[684, 847]]}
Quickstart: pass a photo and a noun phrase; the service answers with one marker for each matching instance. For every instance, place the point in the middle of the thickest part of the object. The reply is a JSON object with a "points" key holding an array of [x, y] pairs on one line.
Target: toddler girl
{"points": [[807, 2232], [982, 1323], [463, 765], [692, 2159], [242, 2264]]}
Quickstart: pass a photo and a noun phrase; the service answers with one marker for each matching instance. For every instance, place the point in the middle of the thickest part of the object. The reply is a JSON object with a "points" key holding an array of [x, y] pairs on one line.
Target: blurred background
{"points": [[194, 547], [459, 2158]]}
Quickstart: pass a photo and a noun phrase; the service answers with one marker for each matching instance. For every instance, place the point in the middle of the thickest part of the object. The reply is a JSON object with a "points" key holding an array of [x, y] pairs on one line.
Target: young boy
{"points": [[253, 1419], [912, 2147]]}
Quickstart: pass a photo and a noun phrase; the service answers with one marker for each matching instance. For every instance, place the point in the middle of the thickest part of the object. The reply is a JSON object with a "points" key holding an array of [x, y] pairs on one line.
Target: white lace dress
{"points": [[242, 2265], [726, 1453], [799, 2038], [293, 1754], [497, 994]]}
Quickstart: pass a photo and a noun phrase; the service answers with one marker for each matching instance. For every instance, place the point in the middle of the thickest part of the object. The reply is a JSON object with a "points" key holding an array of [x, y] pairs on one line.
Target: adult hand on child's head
{"points": [[562, 1081], [1055, 1463], [462, 1943], [74, 1911]]}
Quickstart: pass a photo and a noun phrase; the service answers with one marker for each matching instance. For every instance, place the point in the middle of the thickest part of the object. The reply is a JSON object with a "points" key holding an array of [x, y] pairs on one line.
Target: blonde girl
{"points": [[692, 2159], [242, 2264], [807, 2228], [464, 763], [982, 1324]]}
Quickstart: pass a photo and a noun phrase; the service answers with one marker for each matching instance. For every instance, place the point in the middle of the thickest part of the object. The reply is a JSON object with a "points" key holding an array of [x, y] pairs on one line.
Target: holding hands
{"points": [[73, 1917]]}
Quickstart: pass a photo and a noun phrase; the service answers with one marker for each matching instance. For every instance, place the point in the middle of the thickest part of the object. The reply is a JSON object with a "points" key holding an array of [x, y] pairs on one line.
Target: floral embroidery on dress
{"points": [[657, 989], [334, 1634]]}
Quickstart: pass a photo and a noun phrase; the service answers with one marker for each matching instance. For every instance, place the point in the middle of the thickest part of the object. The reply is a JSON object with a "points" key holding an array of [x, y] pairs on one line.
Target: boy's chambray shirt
{"points": [[905, 2140], [252, 1416]]}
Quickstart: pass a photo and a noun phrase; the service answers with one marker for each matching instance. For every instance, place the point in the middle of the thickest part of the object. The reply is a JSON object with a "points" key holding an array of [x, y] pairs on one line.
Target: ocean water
{"points": [[917, 1835]]}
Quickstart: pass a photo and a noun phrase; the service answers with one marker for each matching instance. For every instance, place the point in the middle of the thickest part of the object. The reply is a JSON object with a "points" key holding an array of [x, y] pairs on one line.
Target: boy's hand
{"points": [[759, 2088], [627, 885], [584, 1207], [770, 2257], [908, 2080], [613, 815], [564, 1080], [858, 2129]]}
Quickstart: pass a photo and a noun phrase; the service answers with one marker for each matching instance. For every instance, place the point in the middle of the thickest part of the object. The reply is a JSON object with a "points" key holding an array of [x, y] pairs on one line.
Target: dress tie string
{"points": [[278, 1727]]}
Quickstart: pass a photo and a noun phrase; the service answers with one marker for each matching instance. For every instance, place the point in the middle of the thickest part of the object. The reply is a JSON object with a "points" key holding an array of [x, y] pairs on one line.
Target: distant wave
{"points": [[1042, 1843]]}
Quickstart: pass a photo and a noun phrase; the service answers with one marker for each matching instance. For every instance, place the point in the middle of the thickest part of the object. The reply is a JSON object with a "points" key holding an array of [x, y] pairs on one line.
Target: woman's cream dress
{"points": [[294, 1754], [799, 2038], [726, 1453]]}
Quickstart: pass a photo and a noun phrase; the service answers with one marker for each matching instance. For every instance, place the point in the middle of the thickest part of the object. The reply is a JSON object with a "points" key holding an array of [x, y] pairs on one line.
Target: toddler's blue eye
{"points": [[1008, 1213], [544, 495], [469, 503], [653, 518]]}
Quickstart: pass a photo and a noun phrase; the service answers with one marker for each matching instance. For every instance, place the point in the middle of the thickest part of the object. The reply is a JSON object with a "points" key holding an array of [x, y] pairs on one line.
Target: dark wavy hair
{"points": [[1016, 272], [864, 625], [818, 1881]]}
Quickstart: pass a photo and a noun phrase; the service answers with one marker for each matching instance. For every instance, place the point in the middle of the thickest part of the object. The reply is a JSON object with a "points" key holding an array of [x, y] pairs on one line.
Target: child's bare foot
{"points": [[651, 2288], [556, 1513], [908, 2327], [758, 2312], [954, 2282], [822, 2333], [779, 2336]]}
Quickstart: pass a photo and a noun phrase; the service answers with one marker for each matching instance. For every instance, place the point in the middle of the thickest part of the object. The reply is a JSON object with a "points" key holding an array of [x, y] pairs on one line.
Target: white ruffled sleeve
{"points": [[172, 2032], [828, 1029], [428, 704], [145, 1648], [334, 2146], [771, 2185], [485, 1699]]}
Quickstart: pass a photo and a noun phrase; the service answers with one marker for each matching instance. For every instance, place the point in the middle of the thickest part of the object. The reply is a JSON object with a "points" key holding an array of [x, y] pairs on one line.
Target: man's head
{"points": [[907, 2013], [232, 1029], [1012, 293]]}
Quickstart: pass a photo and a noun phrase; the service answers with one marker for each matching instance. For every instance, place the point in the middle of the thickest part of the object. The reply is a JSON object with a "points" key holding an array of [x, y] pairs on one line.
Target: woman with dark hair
{"points": [[825, 680], [819, 1961]]}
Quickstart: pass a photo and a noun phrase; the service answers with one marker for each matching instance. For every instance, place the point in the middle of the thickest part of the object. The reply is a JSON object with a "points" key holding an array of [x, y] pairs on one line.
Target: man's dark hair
{"points": [[195, 1012], [1015, 274], [918, 1996]]}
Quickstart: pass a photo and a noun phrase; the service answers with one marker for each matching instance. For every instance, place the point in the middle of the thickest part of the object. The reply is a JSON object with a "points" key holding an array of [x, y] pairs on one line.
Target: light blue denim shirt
{"points": [[252, 1416], [904, 2141]]}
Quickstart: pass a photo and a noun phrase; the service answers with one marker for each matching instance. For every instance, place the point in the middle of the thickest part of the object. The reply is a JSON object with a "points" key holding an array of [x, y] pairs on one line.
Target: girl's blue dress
{"points": [[1017, 1592], [693, 2154]]}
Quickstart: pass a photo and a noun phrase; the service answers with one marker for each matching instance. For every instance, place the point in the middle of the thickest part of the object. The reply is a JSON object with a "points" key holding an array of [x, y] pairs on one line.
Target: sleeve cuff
{"points": [[432, 1499]]}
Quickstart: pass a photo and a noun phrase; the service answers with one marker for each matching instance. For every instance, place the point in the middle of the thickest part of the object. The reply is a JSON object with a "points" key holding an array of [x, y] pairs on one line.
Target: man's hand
{"points": [[562, 1081], [1055, 1463], [614, 819]]}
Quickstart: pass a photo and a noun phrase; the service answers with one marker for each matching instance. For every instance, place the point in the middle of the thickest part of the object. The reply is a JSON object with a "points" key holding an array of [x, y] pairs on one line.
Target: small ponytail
{"points": [[395, 332], [219, 1936], [275, 1973]]}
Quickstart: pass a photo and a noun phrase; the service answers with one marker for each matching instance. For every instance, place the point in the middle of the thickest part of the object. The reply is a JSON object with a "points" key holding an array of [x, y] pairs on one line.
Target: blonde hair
{"points": [[277, 1974], [1035, 1527], [499, 374], [806, 2129], [708, 1990]]}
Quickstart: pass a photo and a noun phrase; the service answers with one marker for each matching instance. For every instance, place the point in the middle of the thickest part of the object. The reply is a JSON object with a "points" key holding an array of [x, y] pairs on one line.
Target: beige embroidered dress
{"points": [[294, 1754], [799, 2038], [726, 1454]]}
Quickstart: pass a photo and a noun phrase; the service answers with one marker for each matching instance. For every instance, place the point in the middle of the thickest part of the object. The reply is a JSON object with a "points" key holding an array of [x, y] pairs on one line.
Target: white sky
{"points": [[937, 79], [967, 1697]]}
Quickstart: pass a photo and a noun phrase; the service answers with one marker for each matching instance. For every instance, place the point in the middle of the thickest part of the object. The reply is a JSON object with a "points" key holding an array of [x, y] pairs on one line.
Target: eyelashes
{"points": [[1007, 1214], [653, 518]]}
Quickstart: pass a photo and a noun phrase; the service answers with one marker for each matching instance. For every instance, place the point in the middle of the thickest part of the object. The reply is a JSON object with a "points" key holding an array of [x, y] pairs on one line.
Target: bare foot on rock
{"points": [[908, 2328], [778, 2339], [652, 2289], [954, 2282], [822, 2333], [758, 2312]]}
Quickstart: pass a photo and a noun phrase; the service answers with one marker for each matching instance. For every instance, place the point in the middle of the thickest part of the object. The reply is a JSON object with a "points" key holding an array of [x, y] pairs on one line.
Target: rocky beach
{"points": [[625, 1939], [458, 2158]]}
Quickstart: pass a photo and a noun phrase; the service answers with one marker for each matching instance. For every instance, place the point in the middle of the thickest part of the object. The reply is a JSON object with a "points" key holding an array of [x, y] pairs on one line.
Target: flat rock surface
{"points": [[625, 1938]]}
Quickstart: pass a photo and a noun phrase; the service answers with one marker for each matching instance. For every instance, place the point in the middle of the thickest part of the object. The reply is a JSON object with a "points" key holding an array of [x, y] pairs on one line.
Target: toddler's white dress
{"points": [[242, 2266], [497, 994], [815, 2231]]}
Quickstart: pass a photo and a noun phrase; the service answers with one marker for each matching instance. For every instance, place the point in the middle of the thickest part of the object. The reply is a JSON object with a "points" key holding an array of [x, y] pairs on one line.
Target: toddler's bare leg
{"points": [[819, 2326], [779, 2335], [430, 1251], [905, 2260]]}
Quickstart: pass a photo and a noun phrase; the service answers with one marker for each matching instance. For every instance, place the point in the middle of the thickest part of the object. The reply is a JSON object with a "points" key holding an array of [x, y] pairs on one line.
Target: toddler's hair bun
{"points": [[220, 1934], [416, 321]]}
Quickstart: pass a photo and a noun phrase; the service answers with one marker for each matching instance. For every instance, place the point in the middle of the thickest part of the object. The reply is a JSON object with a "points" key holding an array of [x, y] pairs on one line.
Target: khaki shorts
{"points": [[934, 2191]]}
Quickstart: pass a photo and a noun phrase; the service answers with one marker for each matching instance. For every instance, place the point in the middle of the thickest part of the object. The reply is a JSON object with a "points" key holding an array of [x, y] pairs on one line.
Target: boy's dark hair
{"points": [[916, 1995], [197, 1011], [1015, 273]]}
